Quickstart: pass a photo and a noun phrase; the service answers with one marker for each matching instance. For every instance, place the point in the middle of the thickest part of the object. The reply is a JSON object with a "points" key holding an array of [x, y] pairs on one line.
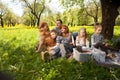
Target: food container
{"points": [[81, 56]]}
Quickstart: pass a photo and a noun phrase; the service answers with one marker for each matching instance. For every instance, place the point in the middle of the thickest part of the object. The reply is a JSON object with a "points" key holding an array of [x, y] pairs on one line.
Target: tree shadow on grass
{"points": [[5, 76]]}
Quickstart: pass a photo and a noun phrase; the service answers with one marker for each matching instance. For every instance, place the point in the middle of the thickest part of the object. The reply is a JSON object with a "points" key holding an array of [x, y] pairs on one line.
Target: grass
{"points": [[18, 58]]}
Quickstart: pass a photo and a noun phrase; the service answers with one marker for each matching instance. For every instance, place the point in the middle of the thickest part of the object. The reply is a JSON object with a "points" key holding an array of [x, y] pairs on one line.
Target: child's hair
{"points": [[85, 32], [53, 31], [97, 25], [79, 36]]}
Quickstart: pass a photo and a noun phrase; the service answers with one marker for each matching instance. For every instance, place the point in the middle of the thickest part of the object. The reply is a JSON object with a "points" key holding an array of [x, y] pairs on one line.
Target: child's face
{"points": [[98, 30], [82, 32], [53, 35]]}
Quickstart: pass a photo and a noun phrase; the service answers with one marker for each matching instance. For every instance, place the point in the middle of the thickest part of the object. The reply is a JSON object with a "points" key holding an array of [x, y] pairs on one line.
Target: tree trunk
{"points": [[38, 22], [95, 19], [2, 23], [109, 14], [39, 16]]}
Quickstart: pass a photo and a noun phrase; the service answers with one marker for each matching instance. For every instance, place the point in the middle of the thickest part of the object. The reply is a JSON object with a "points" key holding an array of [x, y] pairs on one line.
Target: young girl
{"points": [[52, 47], [81, 39]]}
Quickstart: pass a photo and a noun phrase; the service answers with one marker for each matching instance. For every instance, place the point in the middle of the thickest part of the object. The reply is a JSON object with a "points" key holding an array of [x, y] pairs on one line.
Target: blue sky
{"points": [[18, 9]]}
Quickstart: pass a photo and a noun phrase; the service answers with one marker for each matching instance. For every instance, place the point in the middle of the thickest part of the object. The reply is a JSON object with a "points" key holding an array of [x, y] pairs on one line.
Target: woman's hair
{"points": [[66, 28]]}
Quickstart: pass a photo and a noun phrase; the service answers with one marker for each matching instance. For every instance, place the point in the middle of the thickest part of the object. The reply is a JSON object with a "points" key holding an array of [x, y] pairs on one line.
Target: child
{"points": [[81, 39], [97, 38], [52, 47]]}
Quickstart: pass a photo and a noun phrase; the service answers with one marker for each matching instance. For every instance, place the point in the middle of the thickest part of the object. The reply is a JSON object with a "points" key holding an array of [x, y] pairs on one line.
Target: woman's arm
{"points": [[77, 41], [87, 43], [93, 40], [73, 42]]}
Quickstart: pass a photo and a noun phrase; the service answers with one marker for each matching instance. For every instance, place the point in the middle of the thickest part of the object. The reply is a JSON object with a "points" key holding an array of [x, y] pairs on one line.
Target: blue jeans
{"points": [[57, 52], [68, 47], [75, 34]]}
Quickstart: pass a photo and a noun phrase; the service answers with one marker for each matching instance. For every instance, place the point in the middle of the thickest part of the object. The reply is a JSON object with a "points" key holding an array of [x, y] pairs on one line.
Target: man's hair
{"points": [[59, 20]]}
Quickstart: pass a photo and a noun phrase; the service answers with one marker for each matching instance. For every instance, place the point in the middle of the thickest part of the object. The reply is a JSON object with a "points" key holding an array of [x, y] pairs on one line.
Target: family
{"points": [[59, 42]]}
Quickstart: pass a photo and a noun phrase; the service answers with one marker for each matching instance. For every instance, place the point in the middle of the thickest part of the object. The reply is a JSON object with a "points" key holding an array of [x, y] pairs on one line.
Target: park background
{"points": [[19, 36]]}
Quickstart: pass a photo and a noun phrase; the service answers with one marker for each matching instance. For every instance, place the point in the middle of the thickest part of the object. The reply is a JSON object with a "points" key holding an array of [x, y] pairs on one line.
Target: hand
{"points": [[108, 45], [50, 48]]}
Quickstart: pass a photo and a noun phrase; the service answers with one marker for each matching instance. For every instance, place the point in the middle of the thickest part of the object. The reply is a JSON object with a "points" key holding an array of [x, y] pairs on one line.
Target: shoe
{"points": [[45, 55]]}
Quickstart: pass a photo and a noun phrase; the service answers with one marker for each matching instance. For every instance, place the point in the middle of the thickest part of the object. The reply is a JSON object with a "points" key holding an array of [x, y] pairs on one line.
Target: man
{"points": [[58, 27]]}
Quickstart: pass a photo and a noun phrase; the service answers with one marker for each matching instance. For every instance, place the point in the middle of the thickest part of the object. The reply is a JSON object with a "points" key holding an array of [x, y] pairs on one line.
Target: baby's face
{"points": [[98, 30]]}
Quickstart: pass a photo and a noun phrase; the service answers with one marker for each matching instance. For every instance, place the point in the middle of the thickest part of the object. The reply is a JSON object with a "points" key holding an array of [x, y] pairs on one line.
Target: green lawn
{"points": [[18, 58]]}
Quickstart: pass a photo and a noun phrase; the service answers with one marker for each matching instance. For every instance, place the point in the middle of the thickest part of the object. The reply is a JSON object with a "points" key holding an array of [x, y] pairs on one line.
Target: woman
{"points": [[66, 39]]}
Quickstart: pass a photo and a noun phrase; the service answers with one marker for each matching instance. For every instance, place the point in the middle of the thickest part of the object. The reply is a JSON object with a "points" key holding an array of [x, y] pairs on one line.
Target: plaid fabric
{"points": [[97, 38]]}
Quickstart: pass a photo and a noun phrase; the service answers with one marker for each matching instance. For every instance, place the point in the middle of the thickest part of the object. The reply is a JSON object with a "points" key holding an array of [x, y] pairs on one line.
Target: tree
{"points": [[70, 5], [92, 9], [36, 7], [109, 15], [3, 10], [118, 21], [10, 19], [28, 18]]}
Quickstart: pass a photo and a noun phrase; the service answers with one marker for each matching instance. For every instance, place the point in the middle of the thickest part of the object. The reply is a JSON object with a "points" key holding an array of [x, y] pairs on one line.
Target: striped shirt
{"points": [[97, 38], [64, 40]]}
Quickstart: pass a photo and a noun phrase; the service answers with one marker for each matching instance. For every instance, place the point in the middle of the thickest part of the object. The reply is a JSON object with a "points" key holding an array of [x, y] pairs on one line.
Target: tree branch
{"points": [[89, 13], [42, 10], [32, 10]]}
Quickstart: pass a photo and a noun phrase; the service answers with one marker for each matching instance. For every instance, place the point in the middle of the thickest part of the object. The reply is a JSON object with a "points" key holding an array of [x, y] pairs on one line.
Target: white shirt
{"points": [[79, 42]]}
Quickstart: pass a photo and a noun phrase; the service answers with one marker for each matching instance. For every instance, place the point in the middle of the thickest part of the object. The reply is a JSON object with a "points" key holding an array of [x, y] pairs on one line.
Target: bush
{"points": [[116, 42]]}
